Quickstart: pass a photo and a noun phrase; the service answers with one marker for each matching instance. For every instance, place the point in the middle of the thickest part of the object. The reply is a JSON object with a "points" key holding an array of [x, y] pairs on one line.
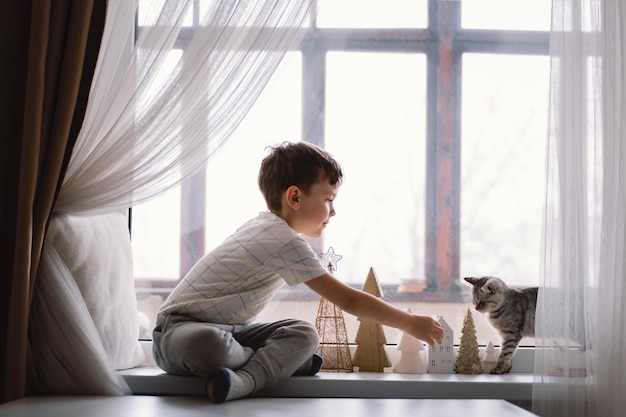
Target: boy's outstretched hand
{"points": [[425, 328], [367, 307]]}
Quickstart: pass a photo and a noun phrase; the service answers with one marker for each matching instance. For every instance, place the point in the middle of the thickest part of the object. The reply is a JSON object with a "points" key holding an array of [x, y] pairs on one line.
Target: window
{"points": [[436, 109]]}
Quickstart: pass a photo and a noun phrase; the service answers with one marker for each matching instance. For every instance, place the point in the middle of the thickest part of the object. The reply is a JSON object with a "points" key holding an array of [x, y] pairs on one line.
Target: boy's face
{"points": [[316, 208]]}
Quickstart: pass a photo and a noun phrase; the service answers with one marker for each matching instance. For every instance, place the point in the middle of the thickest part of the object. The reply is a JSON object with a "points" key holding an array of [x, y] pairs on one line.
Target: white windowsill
{"points": [[511, 387], [515, 386]]}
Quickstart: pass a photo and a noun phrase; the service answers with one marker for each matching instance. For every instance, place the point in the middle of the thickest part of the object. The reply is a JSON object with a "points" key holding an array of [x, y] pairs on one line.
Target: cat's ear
{"points": [[471, 280]]}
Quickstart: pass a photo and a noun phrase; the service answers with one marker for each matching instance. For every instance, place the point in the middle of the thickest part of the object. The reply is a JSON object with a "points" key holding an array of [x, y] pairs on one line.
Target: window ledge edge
{"points": [[151, 380]]}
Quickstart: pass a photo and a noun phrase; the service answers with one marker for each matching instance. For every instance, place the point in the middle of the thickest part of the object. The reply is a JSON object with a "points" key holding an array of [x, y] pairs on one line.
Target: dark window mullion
{"points": [[192, 221], [313, 94], [503, 41], [192, 203], [443, 159]]}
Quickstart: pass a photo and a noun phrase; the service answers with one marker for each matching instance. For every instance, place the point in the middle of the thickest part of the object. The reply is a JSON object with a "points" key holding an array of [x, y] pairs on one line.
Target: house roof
{"points": [[444, 324]]}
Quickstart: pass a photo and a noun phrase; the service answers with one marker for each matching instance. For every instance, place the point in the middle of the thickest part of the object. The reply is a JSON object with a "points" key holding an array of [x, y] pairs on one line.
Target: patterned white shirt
{"points": [[234, 282]]}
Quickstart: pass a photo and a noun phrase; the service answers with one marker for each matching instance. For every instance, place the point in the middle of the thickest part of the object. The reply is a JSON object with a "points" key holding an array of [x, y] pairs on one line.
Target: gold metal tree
{"points": [[331, 327], [468, 361]]}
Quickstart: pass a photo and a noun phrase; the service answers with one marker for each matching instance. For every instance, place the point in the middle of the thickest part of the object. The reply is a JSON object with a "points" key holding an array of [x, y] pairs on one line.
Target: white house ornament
{"points": [[441, 355]]}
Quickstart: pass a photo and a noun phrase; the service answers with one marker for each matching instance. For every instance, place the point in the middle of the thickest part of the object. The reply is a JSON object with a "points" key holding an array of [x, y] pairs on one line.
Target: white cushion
{"points": [[97, 251]]}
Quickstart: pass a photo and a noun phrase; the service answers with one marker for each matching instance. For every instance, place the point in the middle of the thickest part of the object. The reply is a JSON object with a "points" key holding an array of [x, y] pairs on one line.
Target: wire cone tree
{"points": [[331, 328], [334, 347]]}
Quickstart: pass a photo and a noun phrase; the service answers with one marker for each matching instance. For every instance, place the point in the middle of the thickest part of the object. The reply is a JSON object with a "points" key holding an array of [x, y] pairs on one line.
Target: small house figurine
{"points": [[441, 355], [411, 359]]}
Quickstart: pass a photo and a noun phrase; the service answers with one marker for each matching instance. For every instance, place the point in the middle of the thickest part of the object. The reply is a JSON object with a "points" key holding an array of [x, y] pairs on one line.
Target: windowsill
{"points": [[512, 387], [515, 386]]}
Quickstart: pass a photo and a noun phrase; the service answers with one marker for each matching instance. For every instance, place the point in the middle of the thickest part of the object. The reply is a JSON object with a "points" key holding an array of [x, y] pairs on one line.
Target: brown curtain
{"points": [[49, 50]]}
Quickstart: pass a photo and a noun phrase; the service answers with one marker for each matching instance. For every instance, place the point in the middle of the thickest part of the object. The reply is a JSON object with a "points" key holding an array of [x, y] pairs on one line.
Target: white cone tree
{"points": [[411, 359], [490, 358]]}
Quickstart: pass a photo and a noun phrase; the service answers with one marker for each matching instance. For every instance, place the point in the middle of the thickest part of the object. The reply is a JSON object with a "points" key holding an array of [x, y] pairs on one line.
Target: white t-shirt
{"points": [[234, 282]]}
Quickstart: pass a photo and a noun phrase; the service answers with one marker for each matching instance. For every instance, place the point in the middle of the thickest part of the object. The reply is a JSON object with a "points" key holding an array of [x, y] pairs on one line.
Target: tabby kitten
{"points": [[511, 312]]}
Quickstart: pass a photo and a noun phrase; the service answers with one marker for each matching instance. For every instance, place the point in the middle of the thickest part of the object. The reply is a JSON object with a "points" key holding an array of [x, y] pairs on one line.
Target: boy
{"points": [[205, 327]]}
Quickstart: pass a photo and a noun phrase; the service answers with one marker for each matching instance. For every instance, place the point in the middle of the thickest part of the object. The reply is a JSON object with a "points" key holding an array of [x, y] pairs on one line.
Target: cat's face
{"points": [[487, 293]]}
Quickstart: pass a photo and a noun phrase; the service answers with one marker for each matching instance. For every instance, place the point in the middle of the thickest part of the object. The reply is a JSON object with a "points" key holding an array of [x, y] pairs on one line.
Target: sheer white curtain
{"points": [[158, 119], [581, 317], [155, 116]]}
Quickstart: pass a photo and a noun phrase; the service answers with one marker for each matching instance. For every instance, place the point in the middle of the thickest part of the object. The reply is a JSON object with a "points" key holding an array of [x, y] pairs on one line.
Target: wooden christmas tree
{"points": [[370, 354], [331, 327], [411, 360], [468, 361]]}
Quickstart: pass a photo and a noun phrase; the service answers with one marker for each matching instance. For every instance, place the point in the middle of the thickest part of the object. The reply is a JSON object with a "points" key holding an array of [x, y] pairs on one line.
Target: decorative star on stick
{"points": [[331, 258]]}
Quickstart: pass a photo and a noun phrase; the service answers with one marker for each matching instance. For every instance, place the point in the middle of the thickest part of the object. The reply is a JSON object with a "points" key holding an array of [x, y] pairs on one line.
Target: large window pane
{"points": [[368, 105], [233, 195], [156, 249], [373, 14], [506, 14], [503, 155], [375, 126]]}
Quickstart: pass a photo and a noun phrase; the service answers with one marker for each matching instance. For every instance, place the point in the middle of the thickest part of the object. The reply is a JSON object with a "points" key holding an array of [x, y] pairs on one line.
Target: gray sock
{"points": [[311, 366], [226, 384]]}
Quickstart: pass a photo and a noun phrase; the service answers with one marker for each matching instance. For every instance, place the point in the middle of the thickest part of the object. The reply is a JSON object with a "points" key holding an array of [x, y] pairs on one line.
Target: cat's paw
{"points": [[501, 368]]}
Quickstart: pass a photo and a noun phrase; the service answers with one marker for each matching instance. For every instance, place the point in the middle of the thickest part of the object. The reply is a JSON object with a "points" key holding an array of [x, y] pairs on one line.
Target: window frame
{"points": [[443, 42]]}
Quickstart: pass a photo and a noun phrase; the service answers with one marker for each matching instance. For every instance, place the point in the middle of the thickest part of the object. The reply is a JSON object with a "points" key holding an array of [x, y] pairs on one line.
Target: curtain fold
{"points": [[67, 340], [611, 283], [47, 85], [162, 102], [159, 111], [581, 321]]}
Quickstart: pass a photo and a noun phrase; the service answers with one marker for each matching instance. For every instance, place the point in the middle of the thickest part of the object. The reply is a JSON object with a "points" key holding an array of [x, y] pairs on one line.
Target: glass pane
{"points": [[156, 249], [506, 14], [156, 238], [148, 12], [373, 14], [233, 195], [504, 120], [375, 126]]}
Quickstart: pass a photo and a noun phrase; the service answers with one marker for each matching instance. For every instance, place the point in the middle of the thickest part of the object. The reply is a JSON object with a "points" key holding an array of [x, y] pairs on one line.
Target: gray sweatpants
{"points": [[270, 352]]}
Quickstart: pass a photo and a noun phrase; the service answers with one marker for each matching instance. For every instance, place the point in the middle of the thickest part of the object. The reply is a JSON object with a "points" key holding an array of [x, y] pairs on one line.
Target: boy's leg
{"points": [[281, 348], [186, 347]]}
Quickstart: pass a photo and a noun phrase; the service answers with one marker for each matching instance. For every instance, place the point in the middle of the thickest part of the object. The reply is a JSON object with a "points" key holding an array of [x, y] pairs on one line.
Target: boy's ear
{"points": [[292, 195]]}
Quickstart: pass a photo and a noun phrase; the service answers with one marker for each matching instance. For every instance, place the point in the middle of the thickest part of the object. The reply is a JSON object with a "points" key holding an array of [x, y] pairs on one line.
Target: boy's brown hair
{"points": [[300, 164]]}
